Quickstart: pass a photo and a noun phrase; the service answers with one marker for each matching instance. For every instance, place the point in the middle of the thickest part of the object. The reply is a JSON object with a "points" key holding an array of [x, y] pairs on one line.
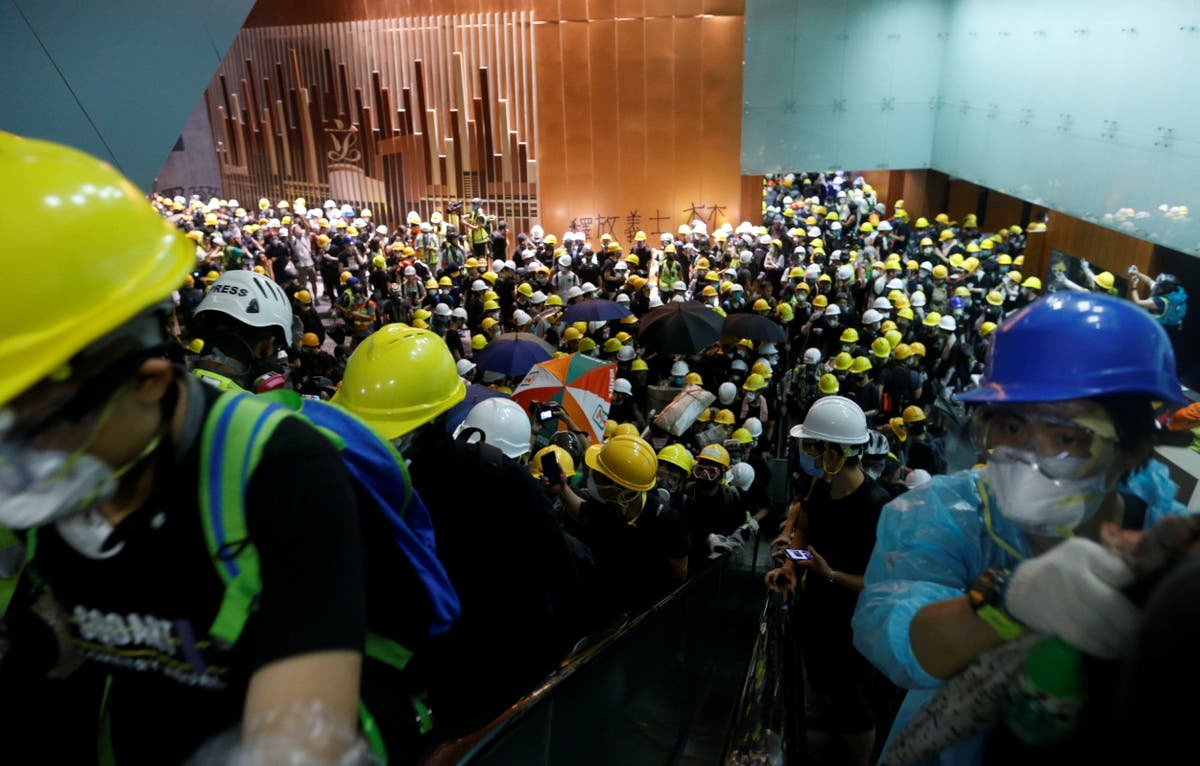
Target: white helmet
{"points": [[465, 367], [538, 298], [596, 326], [883, 225], [754, 426], [745, 257], [537, 232], [767, 348], [739, 365], [411, 271], [504, 424], [442, 310], [812, 271], [918, 478], [878, 445], [844, 272], [812, 356], [833, 419], [833, 310], [478, 286], [623, 386], [727, 392], [497, 266], [835, 226], [678, 299], [926, 266], [622, 298], [655, 301], [381, 229], [329, 203], [742, 476], [459, 313], [564, 261], [917, 300], [948, 323], [882, 304], [621, 266], [251, 299], [679, 369], [510, 264], [574, 292], [587, 288], [679, 286], [519, 318], [413, 217], [426, 227], [626, 354], [871, 316], [895, 284]]}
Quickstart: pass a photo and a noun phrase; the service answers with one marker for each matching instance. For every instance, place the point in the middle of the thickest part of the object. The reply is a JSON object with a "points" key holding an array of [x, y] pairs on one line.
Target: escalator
{"points": [[668, 686]]}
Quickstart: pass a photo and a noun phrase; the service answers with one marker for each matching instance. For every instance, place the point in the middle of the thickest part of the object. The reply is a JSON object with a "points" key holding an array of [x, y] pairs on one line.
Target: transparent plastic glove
{"points": [[751, 522], [719, 545], [1073, 591], [302, 734]]}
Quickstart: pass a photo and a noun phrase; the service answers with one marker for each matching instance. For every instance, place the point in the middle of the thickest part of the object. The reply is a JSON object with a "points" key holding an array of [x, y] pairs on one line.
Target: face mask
{"points": [[60, 484], [874, 473], [832, 322], [87, 533], [809, 464], [1039, 504], [628, 501]]}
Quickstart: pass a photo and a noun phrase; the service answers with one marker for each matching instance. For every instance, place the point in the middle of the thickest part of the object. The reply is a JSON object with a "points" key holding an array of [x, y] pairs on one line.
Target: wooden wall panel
{"points": [[356, 92], [1104, 248], [1002, 210], [963, 199]]}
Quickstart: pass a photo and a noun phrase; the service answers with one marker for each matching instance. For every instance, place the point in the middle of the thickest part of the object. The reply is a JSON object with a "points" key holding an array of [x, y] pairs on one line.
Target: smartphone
{"points": [[797, 554], [545, 413], [551, 469]]}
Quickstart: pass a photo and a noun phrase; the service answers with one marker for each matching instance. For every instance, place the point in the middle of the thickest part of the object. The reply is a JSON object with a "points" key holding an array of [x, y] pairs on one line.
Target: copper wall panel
{"points": [[340, 81], [1002, 210], [653, 115]]}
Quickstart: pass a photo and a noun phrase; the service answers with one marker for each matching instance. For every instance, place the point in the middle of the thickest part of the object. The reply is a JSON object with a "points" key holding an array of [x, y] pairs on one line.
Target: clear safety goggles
{"points": [[707, 471], [611, 492], [1059, 442]]}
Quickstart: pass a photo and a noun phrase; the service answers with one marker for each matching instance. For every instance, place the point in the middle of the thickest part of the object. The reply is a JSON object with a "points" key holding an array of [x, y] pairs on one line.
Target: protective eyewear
{"points": [[706, 472], [1057, 445], [612, 492]]}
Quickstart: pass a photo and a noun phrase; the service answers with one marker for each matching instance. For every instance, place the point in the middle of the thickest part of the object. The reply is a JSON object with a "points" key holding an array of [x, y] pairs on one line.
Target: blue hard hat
{"points": [[957, 303], [1075, 345]]}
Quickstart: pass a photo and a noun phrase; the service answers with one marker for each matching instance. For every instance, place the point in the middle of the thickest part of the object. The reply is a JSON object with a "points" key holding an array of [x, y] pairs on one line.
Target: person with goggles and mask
{"points": [[638, 541], [833, 526], [100, 472], [710, 508], [975, 559]]}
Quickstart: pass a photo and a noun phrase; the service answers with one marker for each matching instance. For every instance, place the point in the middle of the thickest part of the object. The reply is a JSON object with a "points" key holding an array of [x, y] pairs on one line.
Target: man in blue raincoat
{"points": [[1065, 424]]}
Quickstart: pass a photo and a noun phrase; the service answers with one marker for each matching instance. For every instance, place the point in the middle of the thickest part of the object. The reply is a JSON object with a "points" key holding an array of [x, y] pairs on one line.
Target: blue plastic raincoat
{"points": [[930, 546]]}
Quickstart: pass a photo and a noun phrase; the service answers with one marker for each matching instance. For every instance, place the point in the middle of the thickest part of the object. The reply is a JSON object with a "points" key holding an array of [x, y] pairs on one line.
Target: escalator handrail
{"points": [[761, 725], [475, 744]]}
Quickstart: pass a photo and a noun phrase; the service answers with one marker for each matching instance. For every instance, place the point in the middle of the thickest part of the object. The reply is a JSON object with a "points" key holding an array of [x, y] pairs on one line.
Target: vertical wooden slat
{"points": [[285, 144]]}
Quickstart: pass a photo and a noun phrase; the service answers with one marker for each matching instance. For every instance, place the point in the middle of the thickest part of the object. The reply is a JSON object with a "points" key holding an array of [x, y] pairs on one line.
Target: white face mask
{"points": [[86, 533], [1039, 504], [61, 485]]}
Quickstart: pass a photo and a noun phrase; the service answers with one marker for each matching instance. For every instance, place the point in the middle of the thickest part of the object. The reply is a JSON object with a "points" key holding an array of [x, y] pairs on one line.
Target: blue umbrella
{"points": [[595, 310], [476, 393], [513, 354]]}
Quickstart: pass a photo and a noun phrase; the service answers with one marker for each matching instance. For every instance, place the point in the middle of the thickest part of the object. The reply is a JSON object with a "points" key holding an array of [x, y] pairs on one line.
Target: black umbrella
{"points": [[594, 310], [754, 327], [680, 328]]}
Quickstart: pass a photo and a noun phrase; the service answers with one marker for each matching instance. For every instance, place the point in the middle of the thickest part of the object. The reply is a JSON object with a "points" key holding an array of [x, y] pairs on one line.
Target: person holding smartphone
{"points": [[834, 524]]}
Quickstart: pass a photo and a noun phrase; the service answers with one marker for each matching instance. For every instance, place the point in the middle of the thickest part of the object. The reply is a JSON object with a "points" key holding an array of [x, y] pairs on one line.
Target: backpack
{"points": [[234, 435], [1174, 308]]}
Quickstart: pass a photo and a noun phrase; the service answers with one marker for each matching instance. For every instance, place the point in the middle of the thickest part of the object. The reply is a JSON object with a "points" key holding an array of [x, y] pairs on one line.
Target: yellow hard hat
{"points": [[633, 259], [901, 352], [678, 456], [639, 365], [627, 460], [1019, 260], [843, 361], [709, 291], [932, 319], [132, 260], [743, 436], [691, 377], [431, 284], [887, 326], [881, 348], [1015, 277], [861, 364], [1004, 259], [491, 276], [893, 338], [820, 302], [640, 236], [379, 262], [754, 382], [488, 305], [913, 414], [586, 344], [918, 348], [304, 296], [904, 312], [400, 378], [923, 223], [322, 240], [986, 329], [196, 345], [725, 417], [1105, 280], [828, 384], [715, 453], [554, 300], [490, 295], [761, 368], [571, 333], [995, 298], [626, 429], [310, 340], [1032, 283], [565, 462], [487, 323], [849, 335], [702, 263], [612, 346], [939, 272], [945, 235], [478, 342], [705, 415], [525, 289], [762, 305]]}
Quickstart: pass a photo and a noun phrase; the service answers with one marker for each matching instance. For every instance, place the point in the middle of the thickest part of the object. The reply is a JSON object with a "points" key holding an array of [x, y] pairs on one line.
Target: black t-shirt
{"points": [[143, 615], [843, 532], [632, 560]]}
